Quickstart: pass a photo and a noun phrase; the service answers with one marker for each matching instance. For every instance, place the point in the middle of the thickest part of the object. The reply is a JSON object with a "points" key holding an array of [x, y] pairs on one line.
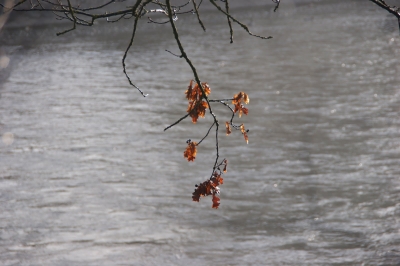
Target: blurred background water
{"points": [[88, 177]]}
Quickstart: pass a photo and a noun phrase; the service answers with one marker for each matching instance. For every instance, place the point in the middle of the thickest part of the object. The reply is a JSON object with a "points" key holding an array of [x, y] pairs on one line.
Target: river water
{"points": [[88, 177]]}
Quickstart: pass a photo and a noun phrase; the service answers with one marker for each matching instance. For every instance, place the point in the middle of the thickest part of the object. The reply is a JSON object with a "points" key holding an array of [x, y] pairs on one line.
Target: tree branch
{"points": [[238, 22], [391, 9], [138, 2]]}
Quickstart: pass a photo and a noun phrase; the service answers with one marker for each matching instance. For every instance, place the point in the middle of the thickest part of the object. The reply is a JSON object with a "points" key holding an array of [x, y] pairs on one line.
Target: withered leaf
{"points": [[194, 93], [191, 151], [241, 96], [206, 88], [240, 107], [228, 128], [215, 201], [244, 132], [209, 187], [197, 109], [225, 165]]}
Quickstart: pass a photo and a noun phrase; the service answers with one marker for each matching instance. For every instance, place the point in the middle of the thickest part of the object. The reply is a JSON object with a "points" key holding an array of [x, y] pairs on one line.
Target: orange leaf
{"points": [[239, 107], [209, 187], [241, 96], [189, 91], [197, 109], [206, 88], [244, 132], [226, 164], [228, 128], [215, 201], [194, 93], [217, 179], [246, 98], [191, 151]]}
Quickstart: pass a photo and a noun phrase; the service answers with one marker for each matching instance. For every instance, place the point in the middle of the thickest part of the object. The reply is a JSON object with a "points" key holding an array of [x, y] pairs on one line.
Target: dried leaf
{"points": [[197, 109], [241, 96], [215, 201], [191, 151], [226, 164], [244, 132], [206, 88], [246, 98], [194, 93], [217, 179], [242, 110], [228, 128], [209, 187]]}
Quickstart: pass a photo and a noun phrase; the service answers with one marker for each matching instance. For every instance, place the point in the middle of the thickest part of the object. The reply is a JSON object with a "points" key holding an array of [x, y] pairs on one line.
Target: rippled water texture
{"points": [[88, 177]]}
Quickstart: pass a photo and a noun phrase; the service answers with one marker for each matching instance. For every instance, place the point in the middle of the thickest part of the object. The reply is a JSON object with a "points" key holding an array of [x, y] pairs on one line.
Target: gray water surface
{"points": [[88, 177]]}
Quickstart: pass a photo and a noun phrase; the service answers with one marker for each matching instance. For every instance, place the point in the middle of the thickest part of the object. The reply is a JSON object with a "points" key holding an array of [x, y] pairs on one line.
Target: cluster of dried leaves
{"points": [[198, 103], [191, 151], [197, 106], [237, 101], [239, 107], [210, 187]]}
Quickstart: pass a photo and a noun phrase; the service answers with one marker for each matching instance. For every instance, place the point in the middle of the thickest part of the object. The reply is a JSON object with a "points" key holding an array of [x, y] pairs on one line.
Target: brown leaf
{"points": [[241, 96], [206, 88], [228, 128], [242, 110], [215, 201], [246, 98], [217, 179], [197, 109], [191, 151], [226, 164], [194, 93], [244, 132], [209, 187]]}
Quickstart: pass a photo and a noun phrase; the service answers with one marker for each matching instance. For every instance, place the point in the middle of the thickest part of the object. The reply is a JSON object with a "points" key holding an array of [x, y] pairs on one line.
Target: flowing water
{"points": [[88, 177]]}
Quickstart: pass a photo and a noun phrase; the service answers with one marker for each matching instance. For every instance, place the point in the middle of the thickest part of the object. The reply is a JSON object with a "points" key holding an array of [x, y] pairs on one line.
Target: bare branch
{"points": [[73, 18], [180, 56], [277, 2], [391, 9], [198, 14], [208, 132], [238, 22], [138, 2], [229, 20], [177, 122]]}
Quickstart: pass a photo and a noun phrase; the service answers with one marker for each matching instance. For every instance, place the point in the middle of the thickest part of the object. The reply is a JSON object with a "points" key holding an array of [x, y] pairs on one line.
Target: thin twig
{"points": [[238, 22], [73, 17], [177, 122], [229, 20], [277, 2], [198, 14], [217, 148], [180, 56], [208, 132], [130, 45], [391, 9]]}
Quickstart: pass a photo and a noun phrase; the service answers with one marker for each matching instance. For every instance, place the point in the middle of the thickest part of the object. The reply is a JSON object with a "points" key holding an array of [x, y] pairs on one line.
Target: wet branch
{"points": [[138, 2], [229, 20], [73, 18], [238, 22], [198, 14], [208, 132], [391, 9]]}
